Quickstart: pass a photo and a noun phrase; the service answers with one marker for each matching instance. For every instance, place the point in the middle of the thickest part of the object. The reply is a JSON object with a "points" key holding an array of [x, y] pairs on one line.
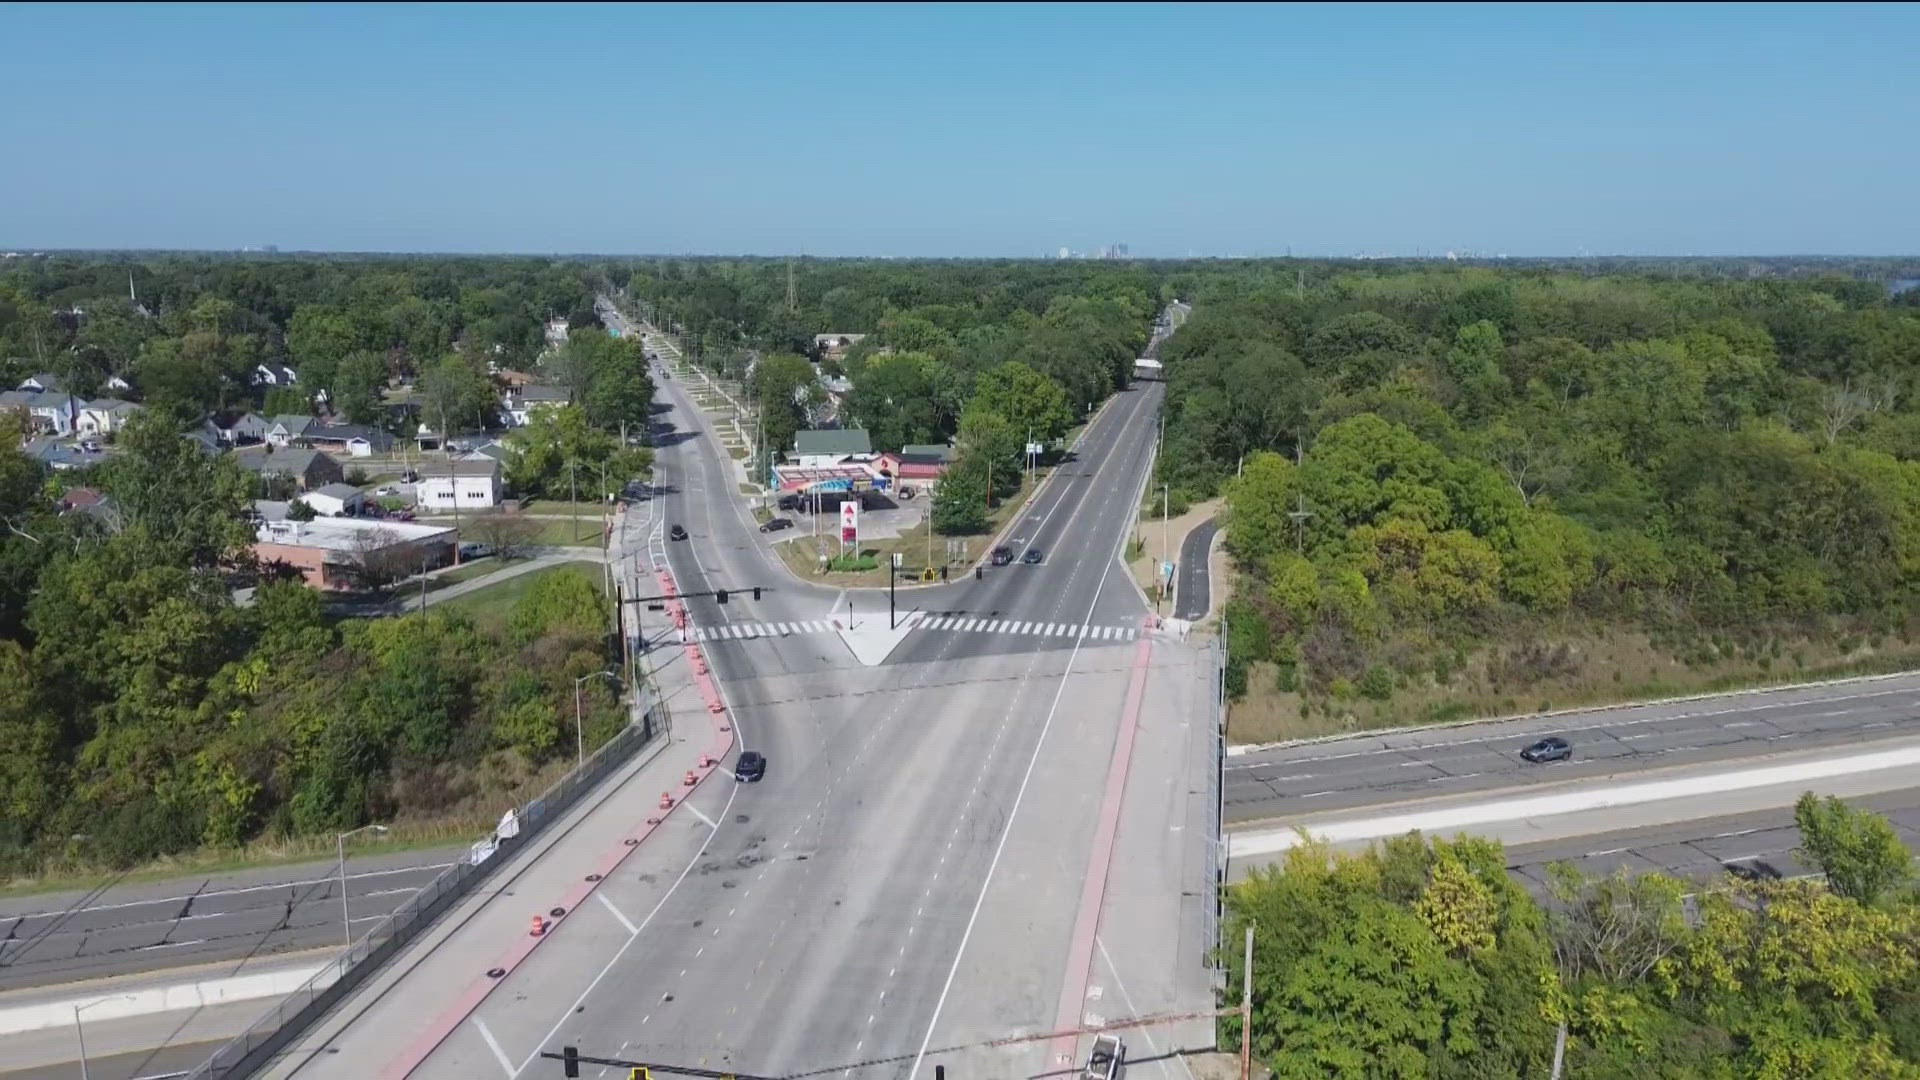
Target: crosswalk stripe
{"points": [[783, 628], [972, 624], [1070, 630], [1106, 633], [1056, 629], [936, 624]]}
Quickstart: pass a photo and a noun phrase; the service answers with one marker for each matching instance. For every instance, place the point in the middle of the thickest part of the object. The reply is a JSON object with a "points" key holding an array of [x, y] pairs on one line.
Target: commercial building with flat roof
{"points": [[347, 554]]}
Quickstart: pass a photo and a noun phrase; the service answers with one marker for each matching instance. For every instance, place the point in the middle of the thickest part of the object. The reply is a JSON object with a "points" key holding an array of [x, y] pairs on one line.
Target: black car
{"points": [[776, 524], [1002, 555], [1552, 748], [678, 532], [789, 502], [1032, 557], [751, 766]]}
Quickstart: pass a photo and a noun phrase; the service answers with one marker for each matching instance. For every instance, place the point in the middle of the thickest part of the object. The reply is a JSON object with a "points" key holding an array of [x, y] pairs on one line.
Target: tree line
{"points": [[1417, 462], [1422, 957]]}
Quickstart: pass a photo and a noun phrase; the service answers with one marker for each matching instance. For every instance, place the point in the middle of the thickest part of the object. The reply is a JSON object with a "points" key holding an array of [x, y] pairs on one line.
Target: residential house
{"points": [[917, 464], [61, 455], [344, 553], [354, 440], [521, 403], [556, 332], [204, 438], [43, 383], [835, 346], [48, 412], [245, 430], [334, 500], [105, 416], [488, 451], [288, 430], [459, 485], [309, 469], [819, 449], [511, 379], [274, 375]]}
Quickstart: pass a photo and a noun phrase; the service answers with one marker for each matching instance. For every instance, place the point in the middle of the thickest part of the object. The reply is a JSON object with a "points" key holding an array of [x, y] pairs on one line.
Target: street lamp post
{"points": [[579, 730], [340, 844], [80, 1032]]}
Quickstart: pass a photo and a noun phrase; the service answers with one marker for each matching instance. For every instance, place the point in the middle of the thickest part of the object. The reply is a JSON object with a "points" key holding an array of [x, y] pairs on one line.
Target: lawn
{"points": [[494, 602], [547, 532]]}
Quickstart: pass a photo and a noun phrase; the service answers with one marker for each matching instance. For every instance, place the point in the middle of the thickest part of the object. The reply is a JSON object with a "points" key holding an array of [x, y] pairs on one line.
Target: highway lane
{"points": [[1368, 769], [837, 892], [1759, 842], [126, 928]]}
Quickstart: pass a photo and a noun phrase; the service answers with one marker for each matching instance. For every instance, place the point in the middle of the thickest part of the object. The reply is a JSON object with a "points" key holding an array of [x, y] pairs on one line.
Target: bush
{"points": [[1377, 683], [848, 564]]}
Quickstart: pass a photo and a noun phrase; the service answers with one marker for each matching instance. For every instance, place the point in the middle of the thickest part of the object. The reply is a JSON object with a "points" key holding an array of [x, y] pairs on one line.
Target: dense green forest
{"points": [[146, 712], [1425, 958], [1423, 464], [985, 355]]}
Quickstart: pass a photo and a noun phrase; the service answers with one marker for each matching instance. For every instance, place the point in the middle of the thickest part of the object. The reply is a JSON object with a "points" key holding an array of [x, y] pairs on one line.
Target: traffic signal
{"points": [[756, 592], [570, 1061], [720, 597]]}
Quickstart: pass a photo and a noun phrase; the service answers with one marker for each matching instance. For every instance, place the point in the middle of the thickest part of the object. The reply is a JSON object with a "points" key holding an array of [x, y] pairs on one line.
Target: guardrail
{"points": [[290, 1017]]}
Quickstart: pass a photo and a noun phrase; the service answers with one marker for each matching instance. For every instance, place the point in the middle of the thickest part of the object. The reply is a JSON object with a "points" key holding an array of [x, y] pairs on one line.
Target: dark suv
{"points": [[751, 766], [1002, 555]]}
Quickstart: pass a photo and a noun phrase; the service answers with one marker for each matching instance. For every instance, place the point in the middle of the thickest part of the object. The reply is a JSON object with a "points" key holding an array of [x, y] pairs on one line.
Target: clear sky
{"points": [[965, 131]]}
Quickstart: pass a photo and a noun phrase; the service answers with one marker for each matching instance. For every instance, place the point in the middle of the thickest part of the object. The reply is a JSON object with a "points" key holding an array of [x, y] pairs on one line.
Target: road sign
{"points": [[1166, 570], [1035, 448], [898, 560], [850, 521]]}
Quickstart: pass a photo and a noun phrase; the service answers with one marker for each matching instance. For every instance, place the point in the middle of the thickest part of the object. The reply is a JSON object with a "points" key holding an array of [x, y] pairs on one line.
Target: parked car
{"points": [[678, 532], [475, 551], [1551, 748], [1002, 555], [789, 502], [776, 524], [1032, 557], [751, 766]]}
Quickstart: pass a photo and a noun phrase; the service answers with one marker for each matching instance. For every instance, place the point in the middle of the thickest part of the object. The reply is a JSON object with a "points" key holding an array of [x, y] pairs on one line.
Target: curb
{"points": [[479, 990]]}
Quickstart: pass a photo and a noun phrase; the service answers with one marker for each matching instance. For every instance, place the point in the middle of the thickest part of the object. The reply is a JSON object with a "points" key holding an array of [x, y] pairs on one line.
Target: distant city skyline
{"points": [[964, 131]]}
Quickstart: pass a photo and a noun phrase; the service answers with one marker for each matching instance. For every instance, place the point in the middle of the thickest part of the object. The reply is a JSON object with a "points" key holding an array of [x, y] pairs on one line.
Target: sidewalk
{"points": [[387, 1026]]}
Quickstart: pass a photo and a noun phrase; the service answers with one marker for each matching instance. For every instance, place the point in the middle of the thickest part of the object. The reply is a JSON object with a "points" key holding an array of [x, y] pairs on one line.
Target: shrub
{"points": [[1377, 683]]}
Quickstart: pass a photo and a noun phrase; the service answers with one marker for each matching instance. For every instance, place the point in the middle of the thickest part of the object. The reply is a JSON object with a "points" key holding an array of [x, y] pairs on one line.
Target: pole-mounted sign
{"points": [[850, 521]]}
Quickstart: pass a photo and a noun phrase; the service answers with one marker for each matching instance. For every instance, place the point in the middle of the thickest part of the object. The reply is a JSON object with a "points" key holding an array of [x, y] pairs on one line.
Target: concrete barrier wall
{"points": [[156, 999]]}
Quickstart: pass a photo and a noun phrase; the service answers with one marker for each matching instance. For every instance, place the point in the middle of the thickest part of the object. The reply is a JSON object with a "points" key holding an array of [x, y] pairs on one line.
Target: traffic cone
{"points": [[666, 800], [539, 927], [690, 780]]}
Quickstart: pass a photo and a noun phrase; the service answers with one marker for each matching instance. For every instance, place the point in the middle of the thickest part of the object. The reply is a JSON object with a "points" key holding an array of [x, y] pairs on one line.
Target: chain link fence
{"points": [[292, 1015]]}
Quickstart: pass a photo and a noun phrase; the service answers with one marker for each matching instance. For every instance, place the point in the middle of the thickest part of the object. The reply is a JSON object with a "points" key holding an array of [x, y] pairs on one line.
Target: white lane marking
{"points": [[1131, 1011], [608, 904], [695, 811], [493, 1044]]}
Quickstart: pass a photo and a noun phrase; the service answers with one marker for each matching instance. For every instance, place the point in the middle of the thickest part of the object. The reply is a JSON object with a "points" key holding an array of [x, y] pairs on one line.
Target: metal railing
{"points": [[290, 1017], [1216, 790]]}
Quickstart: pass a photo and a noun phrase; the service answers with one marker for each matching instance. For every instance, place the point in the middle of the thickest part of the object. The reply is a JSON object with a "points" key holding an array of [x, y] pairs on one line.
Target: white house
{"points": [[274, 375], [521, 403], [458, 484], [334, 500], [105, 416], [43, 383], [286, 429], [47, 413], [556, 333], [245, 430], [118, 382]]}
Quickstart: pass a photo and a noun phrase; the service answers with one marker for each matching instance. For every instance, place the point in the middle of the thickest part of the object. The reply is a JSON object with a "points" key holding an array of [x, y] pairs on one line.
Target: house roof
{"points": [[290, 462], [343, 492], [836, 339], [927, 452], [60, 455], [440, 470], [46, 380], [342, 535], [833, 441], [494, 450], [113, 405], [349, 432], [541, 393], [294, 424]]}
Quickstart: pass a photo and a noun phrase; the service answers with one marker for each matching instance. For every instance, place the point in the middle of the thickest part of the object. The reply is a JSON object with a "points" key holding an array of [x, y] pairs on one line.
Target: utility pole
{"points": [[1246, 1011], [573, 498], [1166, 512], [1300, 515]]}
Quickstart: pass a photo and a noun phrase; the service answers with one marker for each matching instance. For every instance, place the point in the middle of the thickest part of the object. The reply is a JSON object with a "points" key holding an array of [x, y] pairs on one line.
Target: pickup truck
{"points": [[1106, 1060]]}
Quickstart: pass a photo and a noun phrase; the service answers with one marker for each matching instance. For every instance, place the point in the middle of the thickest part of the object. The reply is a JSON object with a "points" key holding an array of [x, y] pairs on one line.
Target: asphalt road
{"points": [[1759, 843], [909, 874], [1192, 595], [1367, 770], [121, 929]]}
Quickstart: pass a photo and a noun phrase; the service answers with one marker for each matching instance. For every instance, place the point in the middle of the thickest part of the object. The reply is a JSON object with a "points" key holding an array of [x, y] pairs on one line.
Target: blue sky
{"points": [[964, 131]]}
